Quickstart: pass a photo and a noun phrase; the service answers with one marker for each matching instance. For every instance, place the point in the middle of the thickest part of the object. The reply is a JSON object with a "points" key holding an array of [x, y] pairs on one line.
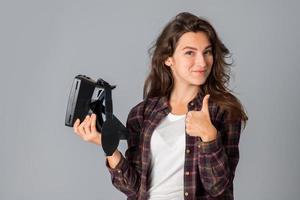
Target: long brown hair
{"points": [[160, 81]]}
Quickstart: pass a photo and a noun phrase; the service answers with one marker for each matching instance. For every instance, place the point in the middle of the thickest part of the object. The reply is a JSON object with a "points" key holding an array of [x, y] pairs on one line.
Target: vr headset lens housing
{"points": [[88, 96]]}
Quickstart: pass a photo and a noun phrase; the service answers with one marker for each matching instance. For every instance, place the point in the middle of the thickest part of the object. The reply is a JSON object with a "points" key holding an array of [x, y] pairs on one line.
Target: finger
{"points": [[205, 103], [75, 125], [187, 119], [187, 129], [80, 128], [191, 114], [188, 115], [93, 123], [87, 126]]}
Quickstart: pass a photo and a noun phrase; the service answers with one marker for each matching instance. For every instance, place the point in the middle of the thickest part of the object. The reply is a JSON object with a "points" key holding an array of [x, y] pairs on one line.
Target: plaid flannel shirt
{"points": [[209, 167]]}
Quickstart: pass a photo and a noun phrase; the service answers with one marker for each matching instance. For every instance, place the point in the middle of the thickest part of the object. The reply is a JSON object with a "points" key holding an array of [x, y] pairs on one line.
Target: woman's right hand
{"points": [[87, 129]]}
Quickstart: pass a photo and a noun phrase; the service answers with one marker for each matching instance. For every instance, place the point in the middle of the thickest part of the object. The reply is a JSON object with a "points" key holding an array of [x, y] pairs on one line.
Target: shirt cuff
{"points": [[211, 146], [120, 168]]}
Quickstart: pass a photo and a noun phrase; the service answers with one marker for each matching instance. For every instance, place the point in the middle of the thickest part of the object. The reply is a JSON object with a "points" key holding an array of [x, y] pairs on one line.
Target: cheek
{"points": [[184, 65], [209, 71], [210, 60], [210, 63], [187, 65]]}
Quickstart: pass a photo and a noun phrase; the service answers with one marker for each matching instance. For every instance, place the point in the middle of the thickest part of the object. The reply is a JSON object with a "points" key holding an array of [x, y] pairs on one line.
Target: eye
{"points": [[208, 52], [189, 53]]}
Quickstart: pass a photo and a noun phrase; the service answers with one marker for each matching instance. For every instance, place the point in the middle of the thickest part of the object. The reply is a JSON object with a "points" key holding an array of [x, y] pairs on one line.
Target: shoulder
{"points": [[140, 110], [223, 107], [222, 112], [216, 112]]}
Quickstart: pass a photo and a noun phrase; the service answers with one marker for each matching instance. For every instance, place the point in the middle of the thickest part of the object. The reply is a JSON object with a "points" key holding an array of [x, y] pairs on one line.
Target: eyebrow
{"points": [[193, 48]]}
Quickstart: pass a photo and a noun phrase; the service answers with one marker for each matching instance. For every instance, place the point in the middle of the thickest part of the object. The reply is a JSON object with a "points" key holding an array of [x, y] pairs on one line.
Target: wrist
{"points": [[114, 159], [210, 137], [115, 154]]}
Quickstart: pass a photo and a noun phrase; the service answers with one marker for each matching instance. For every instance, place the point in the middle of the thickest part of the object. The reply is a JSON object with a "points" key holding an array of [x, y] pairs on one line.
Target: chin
{"points": [[198, 82]]}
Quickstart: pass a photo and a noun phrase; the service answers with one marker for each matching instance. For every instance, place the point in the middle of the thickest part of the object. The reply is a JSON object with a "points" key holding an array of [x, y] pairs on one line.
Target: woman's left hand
{"points": [[198, 123]]}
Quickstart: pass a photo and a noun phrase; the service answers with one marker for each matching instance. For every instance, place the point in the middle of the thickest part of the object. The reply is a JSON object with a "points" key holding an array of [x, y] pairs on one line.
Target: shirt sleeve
{"points": [[126, 175], [217, 159]]}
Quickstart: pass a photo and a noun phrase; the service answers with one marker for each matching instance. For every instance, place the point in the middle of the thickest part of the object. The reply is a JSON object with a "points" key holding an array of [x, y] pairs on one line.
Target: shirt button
{"points": [[187, 173], [192, 103], [119, 171], [187, 151], [199, 146], [186, 193]]}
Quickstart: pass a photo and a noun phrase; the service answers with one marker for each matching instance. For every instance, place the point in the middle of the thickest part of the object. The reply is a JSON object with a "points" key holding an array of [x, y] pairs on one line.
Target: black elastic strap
{"points": [[108, 101]]}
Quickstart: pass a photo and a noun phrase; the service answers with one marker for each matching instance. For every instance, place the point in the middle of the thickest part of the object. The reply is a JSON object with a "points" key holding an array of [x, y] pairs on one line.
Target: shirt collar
{"points": [[163, 102]]}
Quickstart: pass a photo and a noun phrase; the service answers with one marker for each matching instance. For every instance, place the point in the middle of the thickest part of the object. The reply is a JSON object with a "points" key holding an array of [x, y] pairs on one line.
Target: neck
{"points": [[183, 95]]}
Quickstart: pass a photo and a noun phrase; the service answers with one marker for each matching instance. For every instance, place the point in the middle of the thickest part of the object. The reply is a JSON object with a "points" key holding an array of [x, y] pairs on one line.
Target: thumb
{"points": [[205, 104]]}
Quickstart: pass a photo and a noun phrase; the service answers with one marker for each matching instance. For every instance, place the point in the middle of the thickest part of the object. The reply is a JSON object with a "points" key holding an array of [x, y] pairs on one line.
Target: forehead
{"points": [[198, 40]]}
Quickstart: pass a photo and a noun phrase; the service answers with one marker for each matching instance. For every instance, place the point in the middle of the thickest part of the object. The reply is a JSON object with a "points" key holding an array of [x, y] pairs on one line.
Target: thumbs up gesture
{"points": [[198, 123]]}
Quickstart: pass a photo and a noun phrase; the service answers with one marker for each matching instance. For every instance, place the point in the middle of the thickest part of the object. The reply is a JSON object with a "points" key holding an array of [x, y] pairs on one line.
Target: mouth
{"points": [[200, 71]]}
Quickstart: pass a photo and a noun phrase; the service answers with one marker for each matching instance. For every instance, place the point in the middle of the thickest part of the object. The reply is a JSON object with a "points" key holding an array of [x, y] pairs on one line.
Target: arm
{"points": [[217, 159], [125, 171]]}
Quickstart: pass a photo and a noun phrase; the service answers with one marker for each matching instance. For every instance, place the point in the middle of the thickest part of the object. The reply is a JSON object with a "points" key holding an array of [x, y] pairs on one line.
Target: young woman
{"points": [[184, 135]]}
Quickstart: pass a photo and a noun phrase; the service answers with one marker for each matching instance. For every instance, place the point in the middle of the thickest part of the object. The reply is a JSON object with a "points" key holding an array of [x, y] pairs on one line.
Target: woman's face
{"points": [[192, 60]]}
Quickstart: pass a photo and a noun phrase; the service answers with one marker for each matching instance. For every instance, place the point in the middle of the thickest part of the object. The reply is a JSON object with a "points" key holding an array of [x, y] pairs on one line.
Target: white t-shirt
{"points": [[167, 159]]}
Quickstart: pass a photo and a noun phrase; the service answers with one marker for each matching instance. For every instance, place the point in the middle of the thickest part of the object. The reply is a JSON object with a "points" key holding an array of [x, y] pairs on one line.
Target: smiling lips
{"points": [[200, 72]]}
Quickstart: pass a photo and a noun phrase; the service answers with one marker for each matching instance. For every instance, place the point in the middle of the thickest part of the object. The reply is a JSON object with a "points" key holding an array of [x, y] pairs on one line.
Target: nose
{"points": [[200, 60]]}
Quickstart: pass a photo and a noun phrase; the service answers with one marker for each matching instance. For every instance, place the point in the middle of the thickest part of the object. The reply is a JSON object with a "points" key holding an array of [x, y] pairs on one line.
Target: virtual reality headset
{"points": [[88, 96]]}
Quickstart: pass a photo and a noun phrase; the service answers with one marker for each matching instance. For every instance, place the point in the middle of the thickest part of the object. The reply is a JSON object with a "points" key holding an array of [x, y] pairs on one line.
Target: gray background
{"points": [[44, 44]]}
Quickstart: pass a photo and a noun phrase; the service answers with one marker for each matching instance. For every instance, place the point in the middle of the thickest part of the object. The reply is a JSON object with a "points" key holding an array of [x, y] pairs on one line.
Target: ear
{"points": [[168, 62]]}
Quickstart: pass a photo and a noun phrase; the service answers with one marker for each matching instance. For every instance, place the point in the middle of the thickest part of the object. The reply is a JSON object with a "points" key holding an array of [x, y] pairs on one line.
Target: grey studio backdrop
{"points": [[44, 44]]}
